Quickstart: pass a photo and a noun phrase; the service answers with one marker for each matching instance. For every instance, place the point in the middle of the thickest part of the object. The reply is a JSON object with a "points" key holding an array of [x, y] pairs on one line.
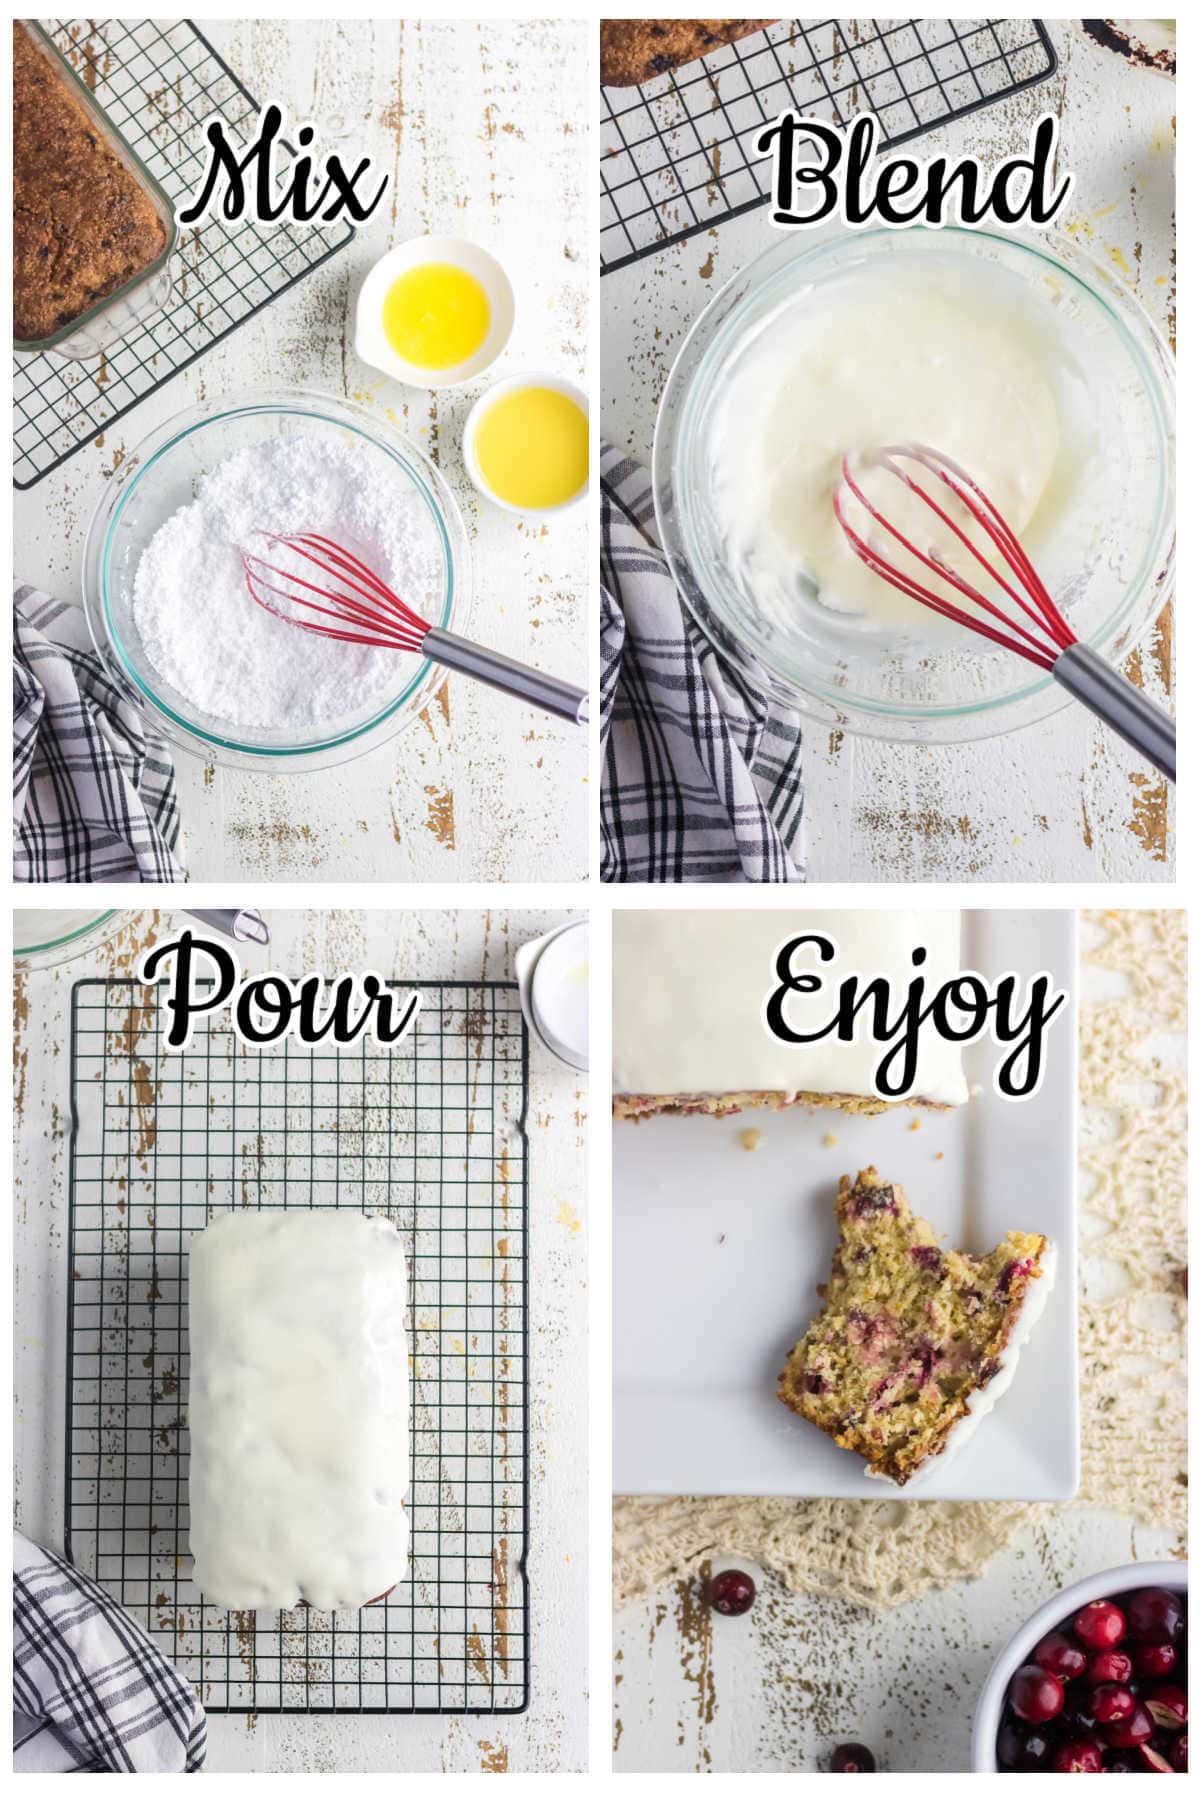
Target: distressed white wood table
{"points": [[481, 127], [552, 1735], [1062, 801], [775, 1691]]}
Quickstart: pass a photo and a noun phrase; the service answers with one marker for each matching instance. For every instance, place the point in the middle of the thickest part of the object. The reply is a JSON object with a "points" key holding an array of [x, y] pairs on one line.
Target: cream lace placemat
{"points": [[1132, 1195]]}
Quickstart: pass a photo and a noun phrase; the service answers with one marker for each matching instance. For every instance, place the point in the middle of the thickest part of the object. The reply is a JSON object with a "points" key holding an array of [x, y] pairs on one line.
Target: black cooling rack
{"points": [[159, 81], [429, 1133], [676, 155]]}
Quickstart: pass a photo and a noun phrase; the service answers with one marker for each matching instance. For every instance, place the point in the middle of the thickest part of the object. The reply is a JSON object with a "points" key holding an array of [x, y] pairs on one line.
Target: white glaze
{"points": [[298, 1409], [689, 989], [881, 356], [983, 1400]]}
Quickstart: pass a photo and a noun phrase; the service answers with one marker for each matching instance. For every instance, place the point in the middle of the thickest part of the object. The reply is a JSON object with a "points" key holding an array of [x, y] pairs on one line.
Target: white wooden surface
{"points": [[1063, 801], [482, 128], [552, 1735], [775, 1691]]}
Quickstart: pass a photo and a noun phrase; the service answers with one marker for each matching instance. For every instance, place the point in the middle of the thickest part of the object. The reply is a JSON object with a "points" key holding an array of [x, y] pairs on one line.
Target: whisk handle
{"points": [[1107, 693], [546, 691]]}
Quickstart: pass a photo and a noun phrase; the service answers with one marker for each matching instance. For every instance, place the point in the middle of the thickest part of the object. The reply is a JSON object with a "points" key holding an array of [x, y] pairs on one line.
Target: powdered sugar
{"points": [[228, 657]]}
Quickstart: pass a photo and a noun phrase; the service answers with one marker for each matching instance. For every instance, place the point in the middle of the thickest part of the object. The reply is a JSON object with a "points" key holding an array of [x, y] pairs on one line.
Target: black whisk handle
{"points": [[1107, 693], [516, 678]]}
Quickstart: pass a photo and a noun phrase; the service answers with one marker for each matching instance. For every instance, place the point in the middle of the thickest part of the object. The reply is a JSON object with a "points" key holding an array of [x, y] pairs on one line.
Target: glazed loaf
{"points": [[298, 1409], [688, 993], [83, 226], [636, 50]]}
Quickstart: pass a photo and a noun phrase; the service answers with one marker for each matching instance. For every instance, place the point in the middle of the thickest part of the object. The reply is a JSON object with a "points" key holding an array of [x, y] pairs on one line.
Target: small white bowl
{"points": [[1019, 1648], [558, 384], [552, 979], [369, 341]]}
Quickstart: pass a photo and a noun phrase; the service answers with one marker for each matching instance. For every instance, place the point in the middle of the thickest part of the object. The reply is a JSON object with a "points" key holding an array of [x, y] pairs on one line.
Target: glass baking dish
{"points": [[86, 337]]}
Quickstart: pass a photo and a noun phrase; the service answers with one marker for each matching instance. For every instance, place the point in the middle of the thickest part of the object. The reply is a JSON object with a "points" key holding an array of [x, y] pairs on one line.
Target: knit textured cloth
{"points": [[701, 778], [93, 785]]}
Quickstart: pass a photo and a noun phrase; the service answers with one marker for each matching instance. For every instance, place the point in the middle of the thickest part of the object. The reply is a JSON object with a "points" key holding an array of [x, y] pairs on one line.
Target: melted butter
{"points": [[531, 444], [436, 315]]}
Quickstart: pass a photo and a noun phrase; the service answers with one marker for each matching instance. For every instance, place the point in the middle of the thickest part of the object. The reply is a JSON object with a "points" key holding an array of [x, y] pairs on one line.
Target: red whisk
{"points": [[1029, 624], [354, 606]]}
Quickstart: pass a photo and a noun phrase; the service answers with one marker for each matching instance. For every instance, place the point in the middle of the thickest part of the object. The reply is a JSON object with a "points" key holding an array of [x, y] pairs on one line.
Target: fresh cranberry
{"points": [[1111, 1701], [1010, 1744], [1154, 1661], [852, 1759], [731, 1593], [1179, 1754], [1059, 1656], [1100, 1625], [1167, 1706], [1034, 1695], [1037, 1753], [1077, 1715], [1134, 1728], [1079, 1756], [1155, 1616], [1150, 1761], [1108, 1665]]}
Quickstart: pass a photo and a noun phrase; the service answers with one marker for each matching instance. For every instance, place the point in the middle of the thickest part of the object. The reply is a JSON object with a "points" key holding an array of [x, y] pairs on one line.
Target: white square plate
{"points": [[717, 1253]]}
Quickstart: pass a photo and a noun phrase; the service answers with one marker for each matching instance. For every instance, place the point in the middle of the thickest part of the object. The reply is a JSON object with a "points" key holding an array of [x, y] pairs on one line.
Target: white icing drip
{"points": [[298, 1409], [981, 1402], [689, 988]]}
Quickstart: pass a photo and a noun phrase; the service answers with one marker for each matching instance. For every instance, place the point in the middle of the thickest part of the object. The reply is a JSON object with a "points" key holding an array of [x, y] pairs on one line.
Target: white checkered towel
{"points": [[91, 1693], [93, 786], [701, 778]]}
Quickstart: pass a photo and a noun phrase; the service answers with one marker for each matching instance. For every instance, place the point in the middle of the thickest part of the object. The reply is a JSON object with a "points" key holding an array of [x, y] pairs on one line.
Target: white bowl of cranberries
{"points": [[1095, 1683]]}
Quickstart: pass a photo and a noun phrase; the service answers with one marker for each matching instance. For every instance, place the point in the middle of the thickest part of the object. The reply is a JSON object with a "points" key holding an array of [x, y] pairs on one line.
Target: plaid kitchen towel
{"points": [[93, 786], [701, 778], [91, 1693]]}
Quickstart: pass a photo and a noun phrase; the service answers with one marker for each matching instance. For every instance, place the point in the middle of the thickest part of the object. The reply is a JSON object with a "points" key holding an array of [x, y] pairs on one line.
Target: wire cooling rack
{"points": [[676, 155], [430, 1133], [159, 81]]}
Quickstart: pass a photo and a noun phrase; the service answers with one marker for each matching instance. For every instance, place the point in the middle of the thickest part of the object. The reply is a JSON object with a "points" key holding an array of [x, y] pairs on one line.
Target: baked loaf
{"points": [[83, 226], [636, 50], [688, 995], [916, 1342], [298, 1409]]}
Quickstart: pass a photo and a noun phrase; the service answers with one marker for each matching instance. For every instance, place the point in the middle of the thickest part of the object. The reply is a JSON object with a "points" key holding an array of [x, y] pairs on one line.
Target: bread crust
{"points": [[83, 226], [637, 50], [720, 1106]]}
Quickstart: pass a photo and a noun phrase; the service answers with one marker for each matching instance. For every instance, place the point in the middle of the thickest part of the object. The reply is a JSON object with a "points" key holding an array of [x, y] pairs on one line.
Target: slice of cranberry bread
{"points": [[915, 1343]]}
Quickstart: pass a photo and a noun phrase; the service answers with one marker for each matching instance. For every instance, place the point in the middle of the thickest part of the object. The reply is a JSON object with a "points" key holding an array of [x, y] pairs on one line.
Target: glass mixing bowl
{"points": [[160, 476], [44, 937], [909, 685]]}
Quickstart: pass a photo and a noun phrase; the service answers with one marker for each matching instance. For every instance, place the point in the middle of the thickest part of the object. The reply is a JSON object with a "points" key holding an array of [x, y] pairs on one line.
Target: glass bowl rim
{"points": [[92, 922]]}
